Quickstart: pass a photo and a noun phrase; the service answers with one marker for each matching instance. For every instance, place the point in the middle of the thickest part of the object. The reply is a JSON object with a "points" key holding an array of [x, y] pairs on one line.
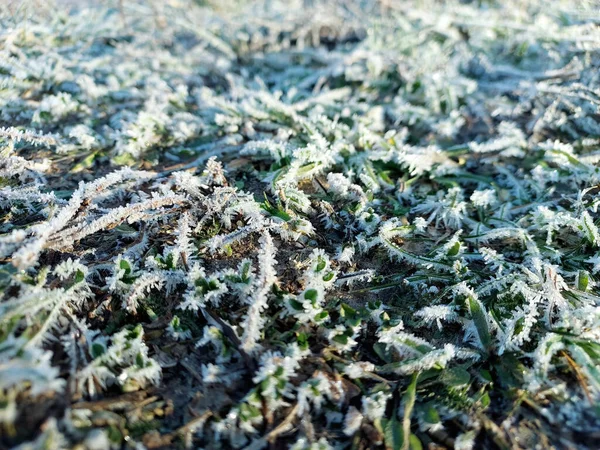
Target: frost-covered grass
{"points": [[298, 224]]}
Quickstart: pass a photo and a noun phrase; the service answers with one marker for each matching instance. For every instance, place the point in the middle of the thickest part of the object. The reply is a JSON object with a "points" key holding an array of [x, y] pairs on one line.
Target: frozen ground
{"points": [[299, 224]]}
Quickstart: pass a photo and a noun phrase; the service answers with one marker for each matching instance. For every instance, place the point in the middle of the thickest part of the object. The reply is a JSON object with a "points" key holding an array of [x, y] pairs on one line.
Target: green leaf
{"points": [[124, 265], [347, 311], [432, 416], [485, 400], [305, 169], [311, 294], [276, 211], [480, 319], [296, 305], [321, 316], [392, 434], [341, 339], [114, 434], [415, 443], [135, 332], [321, 263], [409, 399], [454, 249], [382, 352], [151, 314], [139, 360], [455, 376], [124, 159], [302, 340], [79, 276], [328, 276], [509, 370], [583, 280], [97, 350], [396, 434], [170, 262], [85, 163], [246, 272]]}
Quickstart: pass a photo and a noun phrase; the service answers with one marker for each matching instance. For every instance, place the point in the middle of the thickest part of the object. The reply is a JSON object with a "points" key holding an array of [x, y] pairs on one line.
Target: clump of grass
{"points": [[349, 225]]}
